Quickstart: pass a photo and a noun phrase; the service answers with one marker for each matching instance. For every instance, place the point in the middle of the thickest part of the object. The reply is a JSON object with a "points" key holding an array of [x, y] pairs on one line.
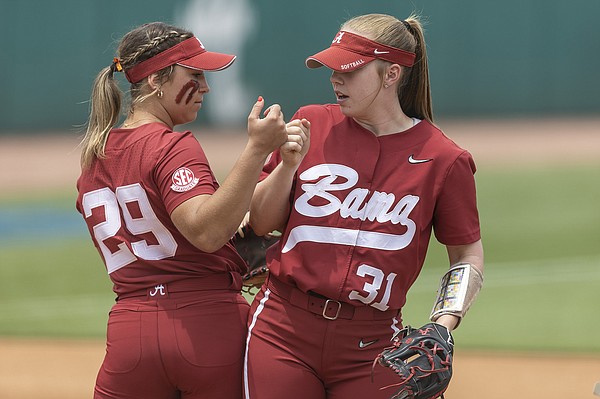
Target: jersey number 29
{"points": [[115, 204]]}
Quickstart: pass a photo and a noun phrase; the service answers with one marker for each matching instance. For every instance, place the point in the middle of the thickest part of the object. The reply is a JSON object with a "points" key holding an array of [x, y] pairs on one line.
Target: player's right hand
{"points": [[298, 142], [269, 133]]}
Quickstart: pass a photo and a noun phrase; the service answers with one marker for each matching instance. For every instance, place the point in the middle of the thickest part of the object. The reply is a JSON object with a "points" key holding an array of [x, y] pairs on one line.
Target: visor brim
{"points": [[338, 59], [208, 61]]}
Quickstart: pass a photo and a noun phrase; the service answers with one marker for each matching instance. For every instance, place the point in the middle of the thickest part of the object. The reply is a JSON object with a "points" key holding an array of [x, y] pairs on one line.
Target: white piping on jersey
{"points": [[259, 309], [394, 327]]}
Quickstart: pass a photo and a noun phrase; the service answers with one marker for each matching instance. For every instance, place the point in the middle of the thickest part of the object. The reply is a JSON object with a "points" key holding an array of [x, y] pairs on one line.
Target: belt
{"points": [[223, 281], [329, 309]]}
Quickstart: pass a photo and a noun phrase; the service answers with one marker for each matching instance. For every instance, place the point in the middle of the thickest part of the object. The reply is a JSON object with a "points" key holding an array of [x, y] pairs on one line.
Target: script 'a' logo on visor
{"points": [[338, 38]]}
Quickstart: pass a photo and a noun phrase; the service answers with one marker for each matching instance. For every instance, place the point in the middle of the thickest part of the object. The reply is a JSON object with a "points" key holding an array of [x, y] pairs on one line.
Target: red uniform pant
{"points": [[186, 345], [295, 350]]}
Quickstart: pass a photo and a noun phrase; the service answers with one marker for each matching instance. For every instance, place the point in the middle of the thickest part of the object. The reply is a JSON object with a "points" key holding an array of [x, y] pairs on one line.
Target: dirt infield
{"points": [[64, 369], [67, 370]]}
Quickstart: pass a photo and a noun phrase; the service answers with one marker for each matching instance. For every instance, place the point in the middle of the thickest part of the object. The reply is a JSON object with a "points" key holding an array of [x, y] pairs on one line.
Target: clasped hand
{"points": [[298, 142]]}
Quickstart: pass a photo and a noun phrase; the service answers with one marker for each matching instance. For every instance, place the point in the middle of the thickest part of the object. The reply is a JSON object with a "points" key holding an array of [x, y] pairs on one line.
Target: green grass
{"points": [[541, 234], [58, 288], [541, 230], [545, 305], [540, 214]]}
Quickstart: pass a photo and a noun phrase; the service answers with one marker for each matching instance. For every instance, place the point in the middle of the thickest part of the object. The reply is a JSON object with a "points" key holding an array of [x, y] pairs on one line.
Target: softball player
{"points": [[163, 225], [357, 202]]}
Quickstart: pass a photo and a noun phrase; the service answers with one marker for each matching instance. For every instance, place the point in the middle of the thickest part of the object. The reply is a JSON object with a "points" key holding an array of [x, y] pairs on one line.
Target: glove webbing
{"points": [[427, 373]]}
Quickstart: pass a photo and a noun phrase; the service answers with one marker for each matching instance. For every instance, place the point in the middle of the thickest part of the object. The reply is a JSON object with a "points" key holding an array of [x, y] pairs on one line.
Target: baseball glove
{"points": [[252, 249], [422, 358]]}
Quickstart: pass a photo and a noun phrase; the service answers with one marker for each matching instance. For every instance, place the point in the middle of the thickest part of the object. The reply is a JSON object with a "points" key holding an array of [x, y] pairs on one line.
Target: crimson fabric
{"points": [[186, 345], [349, 51], [178, 327], [189, 53], [364, 208], [293, 353], [150, 159]]}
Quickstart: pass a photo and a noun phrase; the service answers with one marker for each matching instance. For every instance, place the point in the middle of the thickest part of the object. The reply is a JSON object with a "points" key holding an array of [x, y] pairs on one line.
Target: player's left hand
{"points": [[422, 358]]}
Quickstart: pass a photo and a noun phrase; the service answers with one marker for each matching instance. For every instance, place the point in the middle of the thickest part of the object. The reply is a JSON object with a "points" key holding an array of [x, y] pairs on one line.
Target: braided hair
{"points": [[136, 46]]}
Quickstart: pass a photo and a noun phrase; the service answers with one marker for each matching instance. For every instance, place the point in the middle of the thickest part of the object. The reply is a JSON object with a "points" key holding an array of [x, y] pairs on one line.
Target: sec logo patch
{"points": [[183, 180]]}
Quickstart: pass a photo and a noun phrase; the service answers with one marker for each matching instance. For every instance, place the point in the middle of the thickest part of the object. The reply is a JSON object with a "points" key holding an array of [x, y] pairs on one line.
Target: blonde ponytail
{"points": [[136, 46], [105, 109], [414, 92]]}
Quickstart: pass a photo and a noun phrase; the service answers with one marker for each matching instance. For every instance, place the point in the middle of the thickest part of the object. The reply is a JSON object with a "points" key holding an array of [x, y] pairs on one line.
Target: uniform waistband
{"points": [[327, 308], [231, 281]]}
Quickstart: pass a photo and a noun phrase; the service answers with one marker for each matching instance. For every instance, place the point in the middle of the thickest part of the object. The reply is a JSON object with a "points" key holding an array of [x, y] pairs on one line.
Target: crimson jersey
{"points": [[126, 200], [363, 209]]}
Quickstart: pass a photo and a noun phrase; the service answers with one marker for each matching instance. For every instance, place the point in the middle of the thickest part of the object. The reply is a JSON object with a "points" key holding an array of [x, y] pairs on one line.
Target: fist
{"points": [[268, 133], [297, 143]]}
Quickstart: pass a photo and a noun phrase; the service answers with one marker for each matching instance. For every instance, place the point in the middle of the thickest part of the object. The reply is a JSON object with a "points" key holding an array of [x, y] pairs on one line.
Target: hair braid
{"points": [[154, 43], [136, 46]]}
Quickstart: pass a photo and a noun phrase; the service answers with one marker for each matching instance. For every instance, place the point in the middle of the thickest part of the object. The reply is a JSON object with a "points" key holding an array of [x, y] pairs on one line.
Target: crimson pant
{"points": [[184, 345], [301, 346]]}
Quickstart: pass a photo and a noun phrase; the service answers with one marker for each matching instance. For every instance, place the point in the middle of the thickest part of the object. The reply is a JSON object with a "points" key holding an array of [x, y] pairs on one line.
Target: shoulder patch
{"points": [[183, 180]]}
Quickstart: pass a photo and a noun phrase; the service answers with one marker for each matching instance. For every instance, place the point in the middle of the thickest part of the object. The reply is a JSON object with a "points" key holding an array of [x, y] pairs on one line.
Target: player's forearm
{"points": [[470, 253], [232, 199], [211, 222], [449, 321], [460, 285], [271, 201]]}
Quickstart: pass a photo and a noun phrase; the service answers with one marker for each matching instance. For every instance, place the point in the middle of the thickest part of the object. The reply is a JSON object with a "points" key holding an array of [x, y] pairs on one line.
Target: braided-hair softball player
{"points": [[357, 207], [163, 225]]}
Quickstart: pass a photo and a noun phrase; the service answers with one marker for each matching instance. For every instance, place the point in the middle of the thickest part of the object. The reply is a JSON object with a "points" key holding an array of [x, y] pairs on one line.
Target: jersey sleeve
{"points": [[183, 171], [456, 218], [272, 162]]}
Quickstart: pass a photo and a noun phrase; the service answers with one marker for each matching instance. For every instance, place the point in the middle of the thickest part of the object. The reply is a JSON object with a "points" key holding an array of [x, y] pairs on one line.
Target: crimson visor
{"points": [[349, 51], [190, 53]]}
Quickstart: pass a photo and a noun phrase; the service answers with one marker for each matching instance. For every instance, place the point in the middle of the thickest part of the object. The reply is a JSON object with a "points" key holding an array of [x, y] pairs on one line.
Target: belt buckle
{"points": [[337, 313]]}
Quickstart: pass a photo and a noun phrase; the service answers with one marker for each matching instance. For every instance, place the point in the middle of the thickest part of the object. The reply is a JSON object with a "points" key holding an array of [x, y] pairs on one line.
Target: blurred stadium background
{"points": [[510, 58], [515, 82]]}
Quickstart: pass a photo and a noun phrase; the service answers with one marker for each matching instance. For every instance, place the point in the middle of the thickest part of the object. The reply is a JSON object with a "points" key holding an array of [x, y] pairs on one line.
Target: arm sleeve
{"points": [[183, 171], [272, 162], [456, 218]]}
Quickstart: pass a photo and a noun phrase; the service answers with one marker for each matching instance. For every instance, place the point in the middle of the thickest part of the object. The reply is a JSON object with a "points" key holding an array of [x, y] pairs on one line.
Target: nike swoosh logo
{"points": [[414, 161], [362, 344], [380, 52]]}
